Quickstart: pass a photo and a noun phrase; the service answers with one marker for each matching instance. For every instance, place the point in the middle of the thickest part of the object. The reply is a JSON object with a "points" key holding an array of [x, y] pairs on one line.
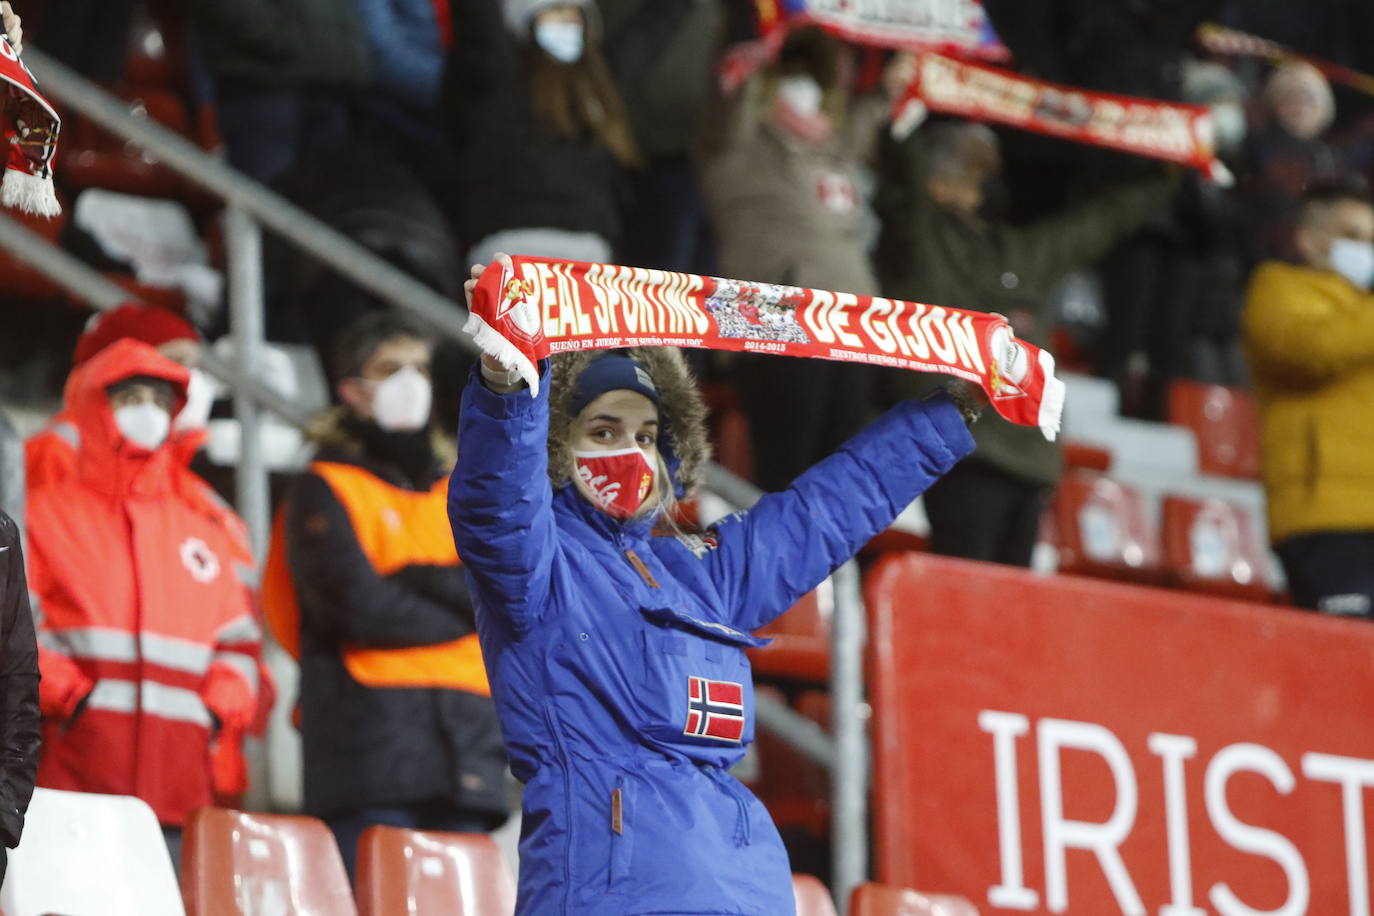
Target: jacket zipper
{"points": [[138, 648]]}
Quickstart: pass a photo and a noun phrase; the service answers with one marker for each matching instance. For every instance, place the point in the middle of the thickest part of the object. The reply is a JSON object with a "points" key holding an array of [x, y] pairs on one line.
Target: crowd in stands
{"points": [[439, 132]]}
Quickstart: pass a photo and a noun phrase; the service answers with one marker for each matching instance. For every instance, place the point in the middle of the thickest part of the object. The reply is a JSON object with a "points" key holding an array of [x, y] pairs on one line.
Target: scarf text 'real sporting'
{"points": [[536, 307], [1169, 131]]}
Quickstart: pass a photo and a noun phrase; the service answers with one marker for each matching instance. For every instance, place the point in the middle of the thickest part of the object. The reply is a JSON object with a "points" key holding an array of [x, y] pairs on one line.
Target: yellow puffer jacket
{"points": [[1309, 337]]}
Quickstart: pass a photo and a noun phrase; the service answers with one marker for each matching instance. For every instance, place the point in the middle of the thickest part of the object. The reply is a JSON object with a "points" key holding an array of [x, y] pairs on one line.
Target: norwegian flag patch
{"points": [[715, 709]]}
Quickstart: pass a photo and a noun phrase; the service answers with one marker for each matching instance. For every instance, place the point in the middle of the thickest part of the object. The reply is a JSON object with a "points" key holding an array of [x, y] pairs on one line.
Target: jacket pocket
{"points": [[620, 823], [696, 691]]}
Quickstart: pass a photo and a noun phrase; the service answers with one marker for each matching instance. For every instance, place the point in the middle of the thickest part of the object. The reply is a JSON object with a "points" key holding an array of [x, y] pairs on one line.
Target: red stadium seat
{"points": [[153, 61], [729, 429], [813, 898], [411, 871], [1211, 546], [233, 862], [794, 788], [733, 448], [1103, 530], [800, 648], [874, 899], [1088, 457], [894, 540], [1226, 423], [90, 157]]}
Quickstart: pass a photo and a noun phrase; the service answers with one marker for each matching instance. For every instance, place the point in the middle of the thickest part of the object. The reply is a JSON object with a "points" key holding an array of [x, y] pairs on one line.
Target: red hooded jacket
{"points": [[148, 635], [50, 456]]}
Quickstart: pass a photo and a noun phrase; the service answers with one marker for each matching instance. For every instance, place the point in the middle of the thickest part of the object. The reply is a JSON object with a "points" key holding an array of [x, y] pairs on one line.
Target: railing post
{"points": [[849, 775], [243, 241], [11, 471]]}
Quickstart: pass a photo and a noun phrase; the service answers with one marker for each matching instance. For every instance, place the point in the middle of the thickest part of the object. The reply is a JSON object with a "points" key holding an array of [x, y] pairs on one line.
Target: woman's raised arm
{"points": [[499, 497], [790, 541]]}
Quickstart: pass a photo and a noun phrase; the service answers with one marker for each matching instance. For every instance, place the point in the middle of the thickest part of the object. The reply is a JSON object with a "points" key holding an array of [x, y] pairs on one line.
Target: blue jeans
{"points": [[435, 815]]}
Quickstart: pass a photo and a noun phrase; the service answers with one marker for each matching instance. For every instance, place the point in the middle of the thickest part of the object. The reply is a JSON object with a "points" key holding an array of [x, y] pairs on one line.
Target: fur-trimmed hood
{"points": [[682, 439]]}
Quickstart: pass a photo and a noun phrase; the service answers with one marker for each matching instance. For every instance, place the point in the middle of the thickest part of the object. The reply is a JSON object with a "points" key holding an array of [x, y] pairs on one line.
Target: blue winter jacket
{"points": [[617, 663]]}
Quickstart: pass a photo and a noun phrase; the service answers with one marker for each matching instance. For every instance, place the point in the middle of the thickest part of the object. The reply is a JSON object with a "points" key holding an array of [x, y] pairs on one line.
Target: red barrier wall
{"points": [[1065, 745]]}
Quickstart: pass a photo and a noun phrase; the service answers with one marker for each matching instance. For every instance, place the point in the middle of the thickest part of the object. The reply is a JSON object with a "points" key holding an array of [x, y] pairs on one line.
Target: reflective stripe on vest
{"points": [[395, 528], [173, 703], [246, 666], [107, 644]]}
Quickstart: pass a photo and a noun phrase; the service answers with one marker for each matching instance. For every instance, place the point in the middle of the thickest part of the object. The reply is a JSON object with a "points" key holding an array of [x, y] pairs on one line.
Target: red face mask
{"points": [[619, 481]]}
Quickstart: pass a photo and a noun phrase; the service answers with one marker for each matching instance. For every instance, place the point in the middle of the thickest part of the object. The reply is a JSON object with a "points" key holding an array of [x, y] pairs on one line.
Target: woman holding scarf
{"points": [[614, 640]]}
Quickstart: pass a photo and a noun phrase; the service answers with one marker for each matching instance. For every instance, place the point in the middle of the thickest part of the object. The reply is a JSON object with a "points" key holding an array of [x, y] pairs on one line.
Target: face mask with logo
{"points": [[1353, 260], [400, 402], [200, 397], [619, 481], [560, 40], [144, 425]]}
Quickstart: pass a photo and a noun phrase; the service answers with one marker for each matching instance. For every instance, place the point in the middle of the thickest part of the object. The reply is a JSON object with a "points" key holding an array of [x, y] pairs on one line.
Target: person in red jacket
{"points": [[151, 645], [50, 455]]}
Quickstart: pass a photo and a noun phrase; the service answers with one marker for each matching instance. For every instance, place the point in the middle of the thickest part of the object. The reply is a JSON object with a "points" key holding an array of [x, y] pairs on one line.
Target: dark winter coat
{"points": [[929, 254], [512, 172], [284, 44], [617, 658], [367, 746], [18, 687], [662, 54]]}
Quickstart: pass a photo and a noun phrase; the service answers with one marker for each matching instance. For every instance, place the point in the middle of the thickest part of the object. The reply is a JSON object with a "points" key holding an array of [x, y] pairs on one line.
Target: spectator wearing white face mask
{"points": [[784, 177], [364, 586], [50, 454], [149, 649], [1309, 334], [541, 133]]}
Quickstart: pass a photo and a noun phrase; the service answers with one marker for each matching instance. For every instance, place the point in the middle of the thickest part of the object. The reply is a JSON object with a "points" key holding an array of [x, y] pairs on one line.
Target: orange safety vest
{"points": [[396, 528]]}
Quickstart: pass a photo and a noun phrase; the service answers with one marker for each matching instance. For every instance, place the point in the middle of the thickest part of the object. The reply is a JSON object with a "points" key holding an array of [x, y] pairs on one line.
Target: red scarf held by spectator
{"points": [[542, 306], [30, 127], [1171, 131]]}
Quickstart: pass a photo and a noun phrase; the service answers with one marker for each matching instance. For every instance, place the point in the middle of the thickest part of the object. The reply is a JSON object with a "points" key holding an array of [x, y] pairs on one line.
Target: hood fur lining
{"points": [[682, 439]]}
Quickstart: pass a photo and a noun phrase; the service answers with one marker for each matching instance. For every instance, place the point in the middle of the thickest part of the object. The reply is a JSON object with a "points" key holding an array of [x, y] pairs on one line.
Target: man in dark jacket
{"points": [[397, 723], [286, 73], [18, 691], [942, 245]]}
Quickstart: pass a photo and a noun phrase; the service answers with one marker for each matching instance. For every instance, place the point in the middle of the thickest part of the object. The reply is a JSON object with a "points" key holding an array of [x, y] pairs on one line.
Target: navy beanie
{"points": [[612, 372]]}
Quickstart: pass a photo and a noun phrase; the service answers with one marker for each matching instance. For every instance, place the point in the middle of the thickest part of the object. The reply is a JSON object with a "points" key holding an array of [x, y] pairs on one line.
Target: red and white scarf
{"points": [[1170, 131], [542, 306], [30, 127]]}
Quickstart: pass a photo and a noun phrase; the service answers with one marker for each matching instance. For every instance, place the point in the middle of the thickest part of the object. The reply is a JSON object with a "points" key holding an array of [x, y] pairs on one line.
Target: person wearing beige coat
{"points": [[783, 169]]}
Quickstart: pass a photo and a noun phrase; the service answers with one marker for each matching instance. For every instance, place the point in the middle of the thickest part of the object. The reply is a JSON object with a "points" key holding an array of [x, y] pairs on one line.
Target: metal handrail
{"points": [[90, 286], [344, 255]]}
